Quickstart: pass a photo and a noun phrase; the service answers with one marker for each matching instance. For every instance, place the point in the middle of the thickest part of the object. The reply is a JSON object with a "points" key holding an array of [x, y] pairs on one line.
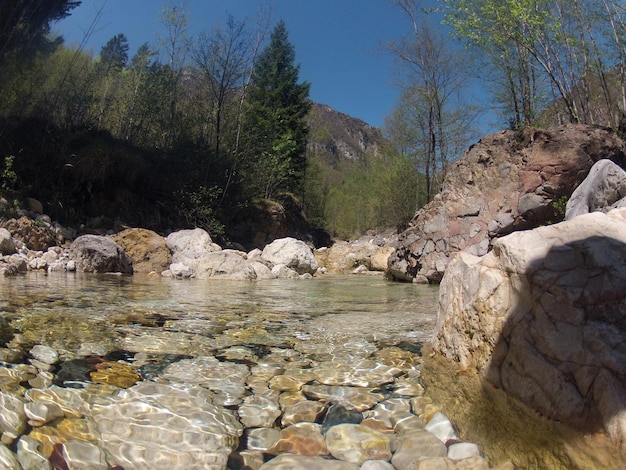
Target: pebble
{"points": [[247, 406], [441, 427], [44, 354], [8, 459], [306, 410], [300, 439], [356, 443], [414, 446], [258, 415], [376, 465], [291, 462], [262, 438]]}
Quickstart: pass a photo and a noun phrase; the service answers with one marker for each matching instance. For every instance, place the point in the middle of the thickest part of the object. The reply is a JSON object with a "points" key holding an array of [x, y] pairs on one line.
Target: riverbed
{"points": [[248, 351]]}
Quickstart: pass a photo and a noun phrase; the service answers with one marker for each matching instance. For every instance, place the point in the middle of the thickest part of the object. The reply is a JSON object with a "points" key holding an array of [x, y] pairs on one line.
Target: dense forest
{"points": [[195, 129]]}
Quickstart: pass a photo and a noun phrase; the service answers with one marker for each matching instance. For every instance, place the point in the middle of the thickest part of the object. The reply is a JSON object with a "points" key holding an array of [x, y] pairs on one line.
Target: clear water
{"points": [[65, 310]]}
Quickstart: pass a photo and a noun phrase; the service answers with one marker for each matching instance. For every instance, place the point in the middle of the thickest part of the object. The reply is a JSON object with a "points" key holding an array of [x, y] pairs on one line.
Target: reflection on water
{"points": [[66, 311]]}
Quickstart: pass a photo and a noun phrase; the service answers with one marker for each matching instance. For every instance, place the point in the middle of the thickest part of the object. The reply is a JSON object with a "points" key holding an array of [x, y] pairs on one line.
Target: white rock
{"points": [[181, 270], [294, 254], [441, 427], [281, 271], [463, 450], [188, 245], [44, 354], [29, 456]]}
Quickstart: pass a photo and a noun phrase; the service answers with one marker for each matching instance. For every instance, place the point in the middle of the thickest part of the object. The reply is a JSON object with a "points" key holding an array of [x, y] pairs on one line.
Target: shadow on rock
{"points": [[529, 354]]}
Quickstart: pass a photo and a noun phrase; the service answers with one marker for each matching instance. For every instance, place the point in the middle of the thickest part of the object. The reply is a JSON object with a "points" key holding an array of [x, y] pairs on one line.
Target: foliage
{"points": [[25, 24], [196, 206], [549, 51], [432, 122], [8, 177]]}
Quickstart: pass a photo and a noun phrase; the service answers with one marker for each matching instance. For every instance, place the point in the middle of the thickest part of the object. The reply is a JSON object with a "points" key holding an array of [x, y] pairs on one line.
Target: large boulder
{"points": [[508, 181], [294, 254], [533, 337], [146, 248], [224, 264], [265, 220], [99, 254], [188, 245], [343, 257], [603, 189]]}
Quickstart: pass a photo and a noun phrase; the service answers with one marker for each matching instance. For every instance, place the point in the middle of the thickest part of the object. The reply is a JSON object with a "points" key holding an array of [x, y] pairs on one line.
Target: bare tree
{"points": [[435, 78]]}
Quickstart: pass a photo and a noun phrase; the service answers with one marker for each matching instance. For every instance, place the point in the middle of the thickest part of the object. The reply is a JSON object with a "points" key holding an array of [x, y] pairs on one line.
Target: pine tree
{"points": [[277, 105], [25, 24]]}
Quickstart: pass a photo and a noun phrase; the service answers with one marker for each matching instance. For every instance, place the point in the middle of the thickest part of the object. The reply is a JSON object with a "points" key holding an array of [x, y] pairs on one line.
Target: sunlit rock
{"points": [[187, 245], [258, 415], [8, 459], [463, 450], [534, 332], [149, 425], [441, 427], [29, 456], [302, 411], [356, 443], [227, 380], [415, 446], [364, 373], [300, 439], [45, 354], [261, 438], [146, 248], [98, 254], [84, 455], [12, 417], [385, 410], [294, 254], [40, 413]]}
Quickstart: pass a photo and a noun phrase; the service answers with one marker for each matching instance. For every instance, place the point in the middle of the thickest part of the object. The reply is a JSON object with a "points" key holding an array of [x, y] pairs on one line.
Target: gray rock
{"points": [[414, 446], [540, 318], [188, 245], [294, 254], [94, 253], [225, 264], [8, 459], [603, 189], [7, 245]]}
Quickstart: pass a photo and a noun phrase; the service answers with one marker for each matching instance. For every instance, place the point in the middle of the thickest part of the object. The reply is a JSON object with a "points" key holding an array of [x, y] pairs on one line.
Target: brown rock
{"points": [[506, 182], [146, 248], [34, 236]]}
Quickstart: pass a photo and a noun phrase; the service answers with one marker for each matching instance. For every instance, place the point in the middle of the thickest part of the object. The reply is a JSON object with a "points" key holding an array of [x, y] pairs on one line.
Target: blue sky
{"points": [[338, 43]]}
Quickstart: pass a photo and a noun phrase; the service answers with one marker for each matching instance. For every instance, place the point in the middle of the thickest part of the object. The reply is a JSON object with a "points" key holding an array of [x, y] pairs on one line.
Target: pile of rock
{"points": [[38, 244]]}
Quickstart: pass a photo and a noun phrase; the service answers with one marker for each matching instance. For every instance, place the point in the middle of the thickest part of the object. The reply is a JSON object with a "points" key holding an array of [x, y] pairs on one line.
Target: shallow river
{"points": [[118, 372], [333, 310]]}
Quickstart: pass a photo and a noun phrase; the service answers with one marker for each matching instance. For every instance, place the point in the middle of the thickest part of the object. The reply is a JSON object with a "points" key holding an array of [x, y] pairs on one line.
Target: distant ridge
{"points": [[340, 136]]}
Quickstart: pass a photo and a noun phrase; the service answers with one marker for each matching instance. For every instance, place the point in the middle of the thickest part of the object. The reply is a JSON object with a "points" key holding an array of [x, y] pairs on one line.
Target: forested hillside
{"points": [[197, 128]]}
